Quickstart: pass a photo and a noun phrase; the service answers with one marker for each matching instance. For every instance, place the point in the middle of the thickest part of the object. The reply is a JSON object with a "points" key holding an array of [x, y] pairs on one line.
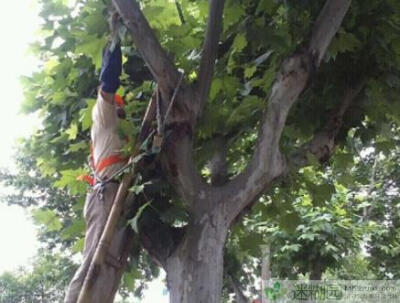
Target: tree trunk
{"points": [[316, 271], [195, 270], [265, 271]]}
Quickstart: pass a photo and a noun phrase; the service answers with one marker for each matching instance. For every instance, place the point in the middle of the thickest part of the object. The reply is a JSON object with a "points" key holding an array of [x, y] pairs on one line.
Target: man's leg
{"points": [[108, 278], [106, 284], [96, 212]]}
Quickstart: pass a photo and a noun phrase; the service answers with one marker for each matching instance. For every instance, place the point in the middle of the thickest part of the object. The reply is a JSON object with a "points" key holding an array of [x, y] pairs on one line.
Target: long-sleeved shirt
{"points": [[104, 135]]}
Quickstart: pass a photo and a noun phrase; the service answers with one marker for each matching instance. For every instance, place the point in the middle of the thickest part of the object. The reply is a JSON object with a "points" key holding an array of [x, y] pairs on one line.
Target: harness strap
{"points": [[109, 161]]}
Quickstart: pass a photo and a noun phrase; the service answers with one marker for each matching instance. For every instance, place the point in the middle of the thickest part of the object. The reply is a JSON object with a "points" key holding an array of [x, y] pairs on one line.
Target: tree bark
{"points": [[195, 270]]}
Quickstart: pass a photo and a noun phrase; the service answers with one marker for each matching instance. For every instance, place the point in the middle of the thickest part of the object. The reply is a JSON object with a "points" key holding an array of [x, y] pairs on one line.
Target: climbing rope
{"points": [[159, 136]]}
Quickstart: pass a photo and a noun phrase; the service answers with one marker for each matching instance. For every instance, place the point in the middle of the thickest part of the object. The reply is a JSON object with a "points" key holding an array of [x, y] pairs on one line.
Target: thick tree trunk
{"points": [[195, 270]]}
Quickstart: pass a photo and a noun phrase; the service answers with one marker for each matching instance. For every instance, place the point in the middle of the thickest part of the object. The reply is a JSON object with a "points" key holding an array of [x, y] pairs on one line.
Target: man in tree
{"points": [[105, 162]]}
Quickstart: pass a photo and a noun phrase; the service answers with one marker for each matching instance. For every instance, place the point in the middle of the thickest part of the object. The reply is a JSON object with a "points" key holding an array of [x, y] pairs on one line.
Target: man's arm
{"points": [[104, 112], [111, 69]]}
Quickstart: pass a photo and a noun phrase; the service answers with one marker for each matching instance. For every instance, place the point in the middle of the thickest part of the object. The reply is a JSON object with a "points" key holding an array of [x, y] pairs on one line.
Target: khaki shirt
{"points": [[104, 135]]}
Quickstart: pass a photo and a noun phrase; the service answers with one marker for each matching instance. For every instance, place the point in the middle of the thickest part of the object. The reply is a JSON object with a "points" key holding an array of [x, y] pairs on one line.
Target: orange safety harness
{"points": [[103, 163]]}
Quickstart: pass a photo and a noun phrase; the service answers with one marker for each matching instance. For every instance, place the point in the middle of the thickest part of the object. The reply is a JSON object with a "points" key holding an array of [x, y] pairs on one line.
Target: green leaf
{"points": [[343, 42], [321, 193], [312, 159], [216, 87], [291, 248], [69, 180], [79, 245], [77, 228], [249, 71], [233, 14], [93, 48], [85, 115], [342, 161], [48, 218], [245, 110], [72, 131], [137, 189], [239, 43], [134, 222], [83, 145], [266, 6]]}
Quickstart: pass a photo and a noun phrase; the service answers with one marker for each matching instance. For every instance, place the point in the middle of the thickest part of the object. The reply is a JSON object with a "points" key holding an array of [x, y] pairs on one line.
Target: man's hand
{"points": [[111, 69]]}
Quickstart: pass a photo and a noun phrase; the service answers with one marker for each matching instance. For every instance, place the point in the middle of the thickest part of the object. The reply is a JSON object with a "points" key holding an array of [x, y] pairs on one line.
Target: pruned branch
{"points": [[160, 65], [323, 143], [210, 50], [267, 162]]}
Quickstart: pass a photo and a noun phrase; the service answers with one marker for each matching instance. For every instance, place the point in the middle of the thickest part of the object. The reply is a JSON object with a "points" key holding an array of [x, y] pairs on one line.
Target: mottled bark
{"points": [[194, 271]]}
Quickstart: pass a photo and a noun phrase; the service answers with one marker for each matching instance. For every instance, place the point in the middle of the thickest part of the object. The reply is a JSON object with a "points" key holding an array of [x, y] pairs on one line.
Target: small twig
{"points": [[180, 12]]}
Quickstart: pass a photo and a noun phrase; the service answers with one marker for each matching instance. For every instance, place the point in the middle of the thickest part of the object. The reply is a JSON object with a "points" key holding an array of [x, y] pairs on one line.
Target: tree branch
{"points": [[160, 65], [210, 50], [180, 12], [240, 297], [326, 27], [177, 150], [267, 162], [323, 143]]}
